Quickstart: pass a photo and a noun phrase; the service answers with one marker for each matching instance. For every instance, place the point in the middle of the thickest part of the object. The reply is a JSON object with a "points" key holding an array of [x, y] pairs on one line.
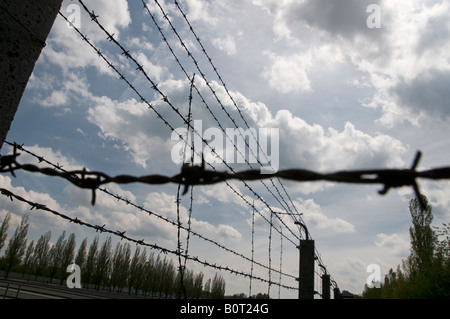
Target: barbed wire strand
{"points": [[191, 28], [199, 175], [154, 86], [253, 252], [191, 55], [181, 267], [141, 208], [121, 234], [384, 177], [281, 260], [270, 254]]}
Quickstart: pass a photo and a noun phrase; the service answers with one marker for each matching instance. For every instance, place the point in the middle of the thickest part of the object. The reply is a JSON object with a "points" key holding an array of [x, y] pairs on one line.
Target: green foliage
{"points": [[4, 229], [425, 273], [16, 246]]}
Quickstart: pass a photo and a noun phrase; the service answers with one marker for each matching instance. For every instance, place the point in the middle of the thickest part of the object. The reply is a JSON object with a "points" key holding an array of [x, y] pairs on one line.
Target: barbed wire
{"points": [[164, 98], [198, 175], [216, 71], [181, 266], [142, 242], [59, 167], [192, 175], [191, 55], [222, 107]]}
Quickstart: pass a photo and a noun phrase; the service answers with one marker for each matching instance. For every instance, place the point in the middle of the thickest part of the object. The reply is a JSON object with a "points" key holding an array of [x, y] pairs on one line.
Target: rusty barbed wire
{"points": [[192, 175], [121, 234]]}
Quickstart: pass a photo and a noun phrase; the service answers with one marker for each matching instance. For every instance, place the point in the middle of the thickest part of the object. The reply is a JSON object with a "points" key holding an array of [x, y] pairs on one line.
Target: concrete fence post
{"points": [[24, 27]]}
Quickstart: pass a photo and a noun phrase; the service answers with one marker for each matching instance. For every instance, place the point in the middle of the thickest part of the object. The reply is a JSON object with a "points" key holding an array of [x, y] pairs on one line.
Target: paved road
{"points": [[22, 289]]}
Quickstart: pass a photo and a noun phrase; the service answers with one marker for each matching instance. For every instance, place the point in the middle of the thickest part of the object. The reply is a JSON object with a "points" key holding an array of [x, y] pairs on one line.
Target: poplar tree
{"points": [[16, 246], [41, 254], [217, 287], [56, 255], [67, 257], [28, 259], [4, 230], [80, 259], [90, 262], [103, 263]]}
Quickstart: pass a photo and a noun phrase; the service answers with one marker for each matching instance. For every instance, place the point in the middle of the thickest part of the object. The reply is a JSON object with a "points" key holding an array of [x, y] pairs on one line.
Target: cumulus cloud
{"points": [[406, 59], [68, 50], [393, 244], [427, 93], [313, 216], [226, 44]]}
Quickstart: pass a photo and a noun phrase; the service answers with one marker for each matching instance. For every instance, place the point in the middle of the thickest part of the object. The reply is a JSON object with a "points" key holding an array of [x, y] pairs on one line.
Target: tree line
{"points": [[118, 270], [425, 273]]}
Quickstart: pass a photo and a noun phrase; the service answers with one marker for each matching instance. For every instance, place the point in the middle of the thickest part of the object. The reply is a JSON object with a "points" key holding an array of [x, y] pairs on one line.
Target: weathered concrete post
{"points": [[306, 269], [24, 27]]}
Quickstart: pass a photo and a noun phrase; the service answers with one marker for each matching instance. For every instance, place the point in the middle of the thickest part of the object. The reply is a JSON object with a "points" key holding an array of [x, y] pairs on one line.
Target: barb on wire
{"points": [[191, 175]]}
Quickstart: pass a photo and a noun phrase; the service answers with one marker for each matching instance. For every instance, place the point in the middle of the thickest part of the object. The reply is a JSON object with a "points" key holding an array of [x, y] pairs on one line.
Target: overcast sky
{"points": [[343, 96]]}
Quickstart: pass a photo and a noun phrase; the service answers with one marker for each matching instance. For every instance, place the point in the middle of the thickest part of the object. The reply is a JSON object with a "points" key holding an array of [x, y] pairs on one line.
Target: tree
{"points": [[425, 273], [217, 287], [197, 286], [4, 230], [134, 268], [56, 255], [119, 266], [207, 288], [28, 259], [423, 238], [17, 245], [80, 259], [90, 262], [68, 254], [41, 253], [139, 272], [103, 263]]}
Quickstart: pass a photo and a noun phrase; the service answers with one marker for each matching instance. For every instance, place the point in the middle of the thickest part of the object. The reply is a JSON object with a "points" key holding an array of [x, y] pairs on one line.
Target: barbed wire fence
{"points": [[192, 175]]}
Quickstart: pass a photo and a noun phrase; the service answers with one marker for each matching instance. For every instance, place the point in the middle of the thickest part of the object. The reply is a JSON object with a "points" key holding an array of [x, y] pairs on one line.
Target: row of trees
{"points": [[425, 273], [102, 267]]}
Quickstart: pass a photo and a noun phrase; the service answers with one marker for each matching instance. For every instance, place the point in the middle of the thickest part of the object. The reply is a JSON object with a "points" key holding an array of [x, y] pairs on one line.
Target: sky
{"points": [[349, 84]]}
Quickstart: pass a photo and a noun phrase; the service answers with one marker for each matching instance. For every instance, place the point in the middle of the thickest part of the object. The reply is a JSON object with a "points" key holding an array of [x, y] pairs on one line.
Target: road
{"points": [[22, 289]]}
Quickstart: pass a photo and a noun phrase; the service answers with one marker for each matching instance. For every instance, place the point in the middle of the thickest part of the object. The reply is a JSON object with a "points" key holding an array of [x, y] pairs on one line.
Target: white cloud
{"points": [[289, 73], [315, 218], [227, 44], [394, 244], [68, 50], [411, 43], [200, 10]]}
